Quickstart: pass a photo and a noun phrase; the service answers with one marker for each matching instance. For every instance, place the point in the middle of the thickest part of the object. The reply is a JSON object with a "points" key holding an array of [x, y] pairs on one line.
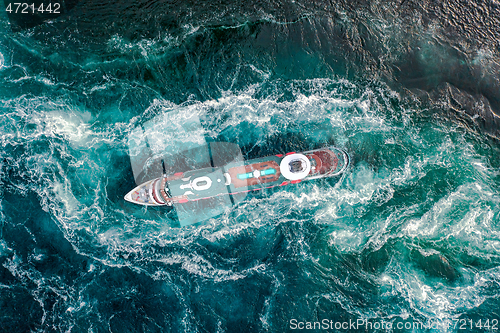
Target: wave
{"points": [[410, 232]]}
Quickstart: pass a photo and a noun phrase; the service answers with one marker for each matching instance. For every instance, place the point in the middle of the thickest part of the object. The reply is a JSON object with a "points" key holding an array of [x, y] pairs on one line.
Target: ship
{"points": [[176, 163], [240, 177]]}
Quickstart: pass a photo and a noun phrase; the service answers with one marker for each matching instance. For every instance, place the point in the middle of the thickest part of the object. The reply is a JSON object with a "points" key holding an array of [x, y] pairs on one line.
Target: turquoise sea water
{"points": [[409, 235]]}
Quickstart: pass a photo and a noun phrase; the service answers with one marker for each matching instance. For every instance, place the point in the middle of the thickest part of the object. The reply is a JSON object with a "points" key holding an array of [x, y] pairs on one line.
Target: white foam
{"points": [[4, 249], [72, 126], [436, 301], [148, 48], [465, 214], [198, 265], [328, 111]]}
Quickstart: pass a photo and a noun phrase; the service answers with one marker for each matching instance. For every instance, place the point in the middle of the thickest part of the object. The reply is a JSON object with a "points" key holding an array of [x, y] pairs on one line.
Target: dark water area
{"points": [[407, 240]]}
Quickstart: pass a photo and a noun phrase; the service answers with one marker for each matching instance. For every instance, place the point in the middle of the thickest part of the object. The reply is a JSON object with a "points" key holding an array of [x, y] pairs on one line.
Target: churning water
{"points": [[409, 235]]}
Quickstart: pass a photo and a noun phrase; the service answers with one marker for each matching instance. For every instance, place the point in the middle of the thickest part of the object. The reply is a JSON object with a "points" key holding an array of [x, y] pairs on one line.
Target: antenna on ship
{"points": [[164, 181], [164, 169]]}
